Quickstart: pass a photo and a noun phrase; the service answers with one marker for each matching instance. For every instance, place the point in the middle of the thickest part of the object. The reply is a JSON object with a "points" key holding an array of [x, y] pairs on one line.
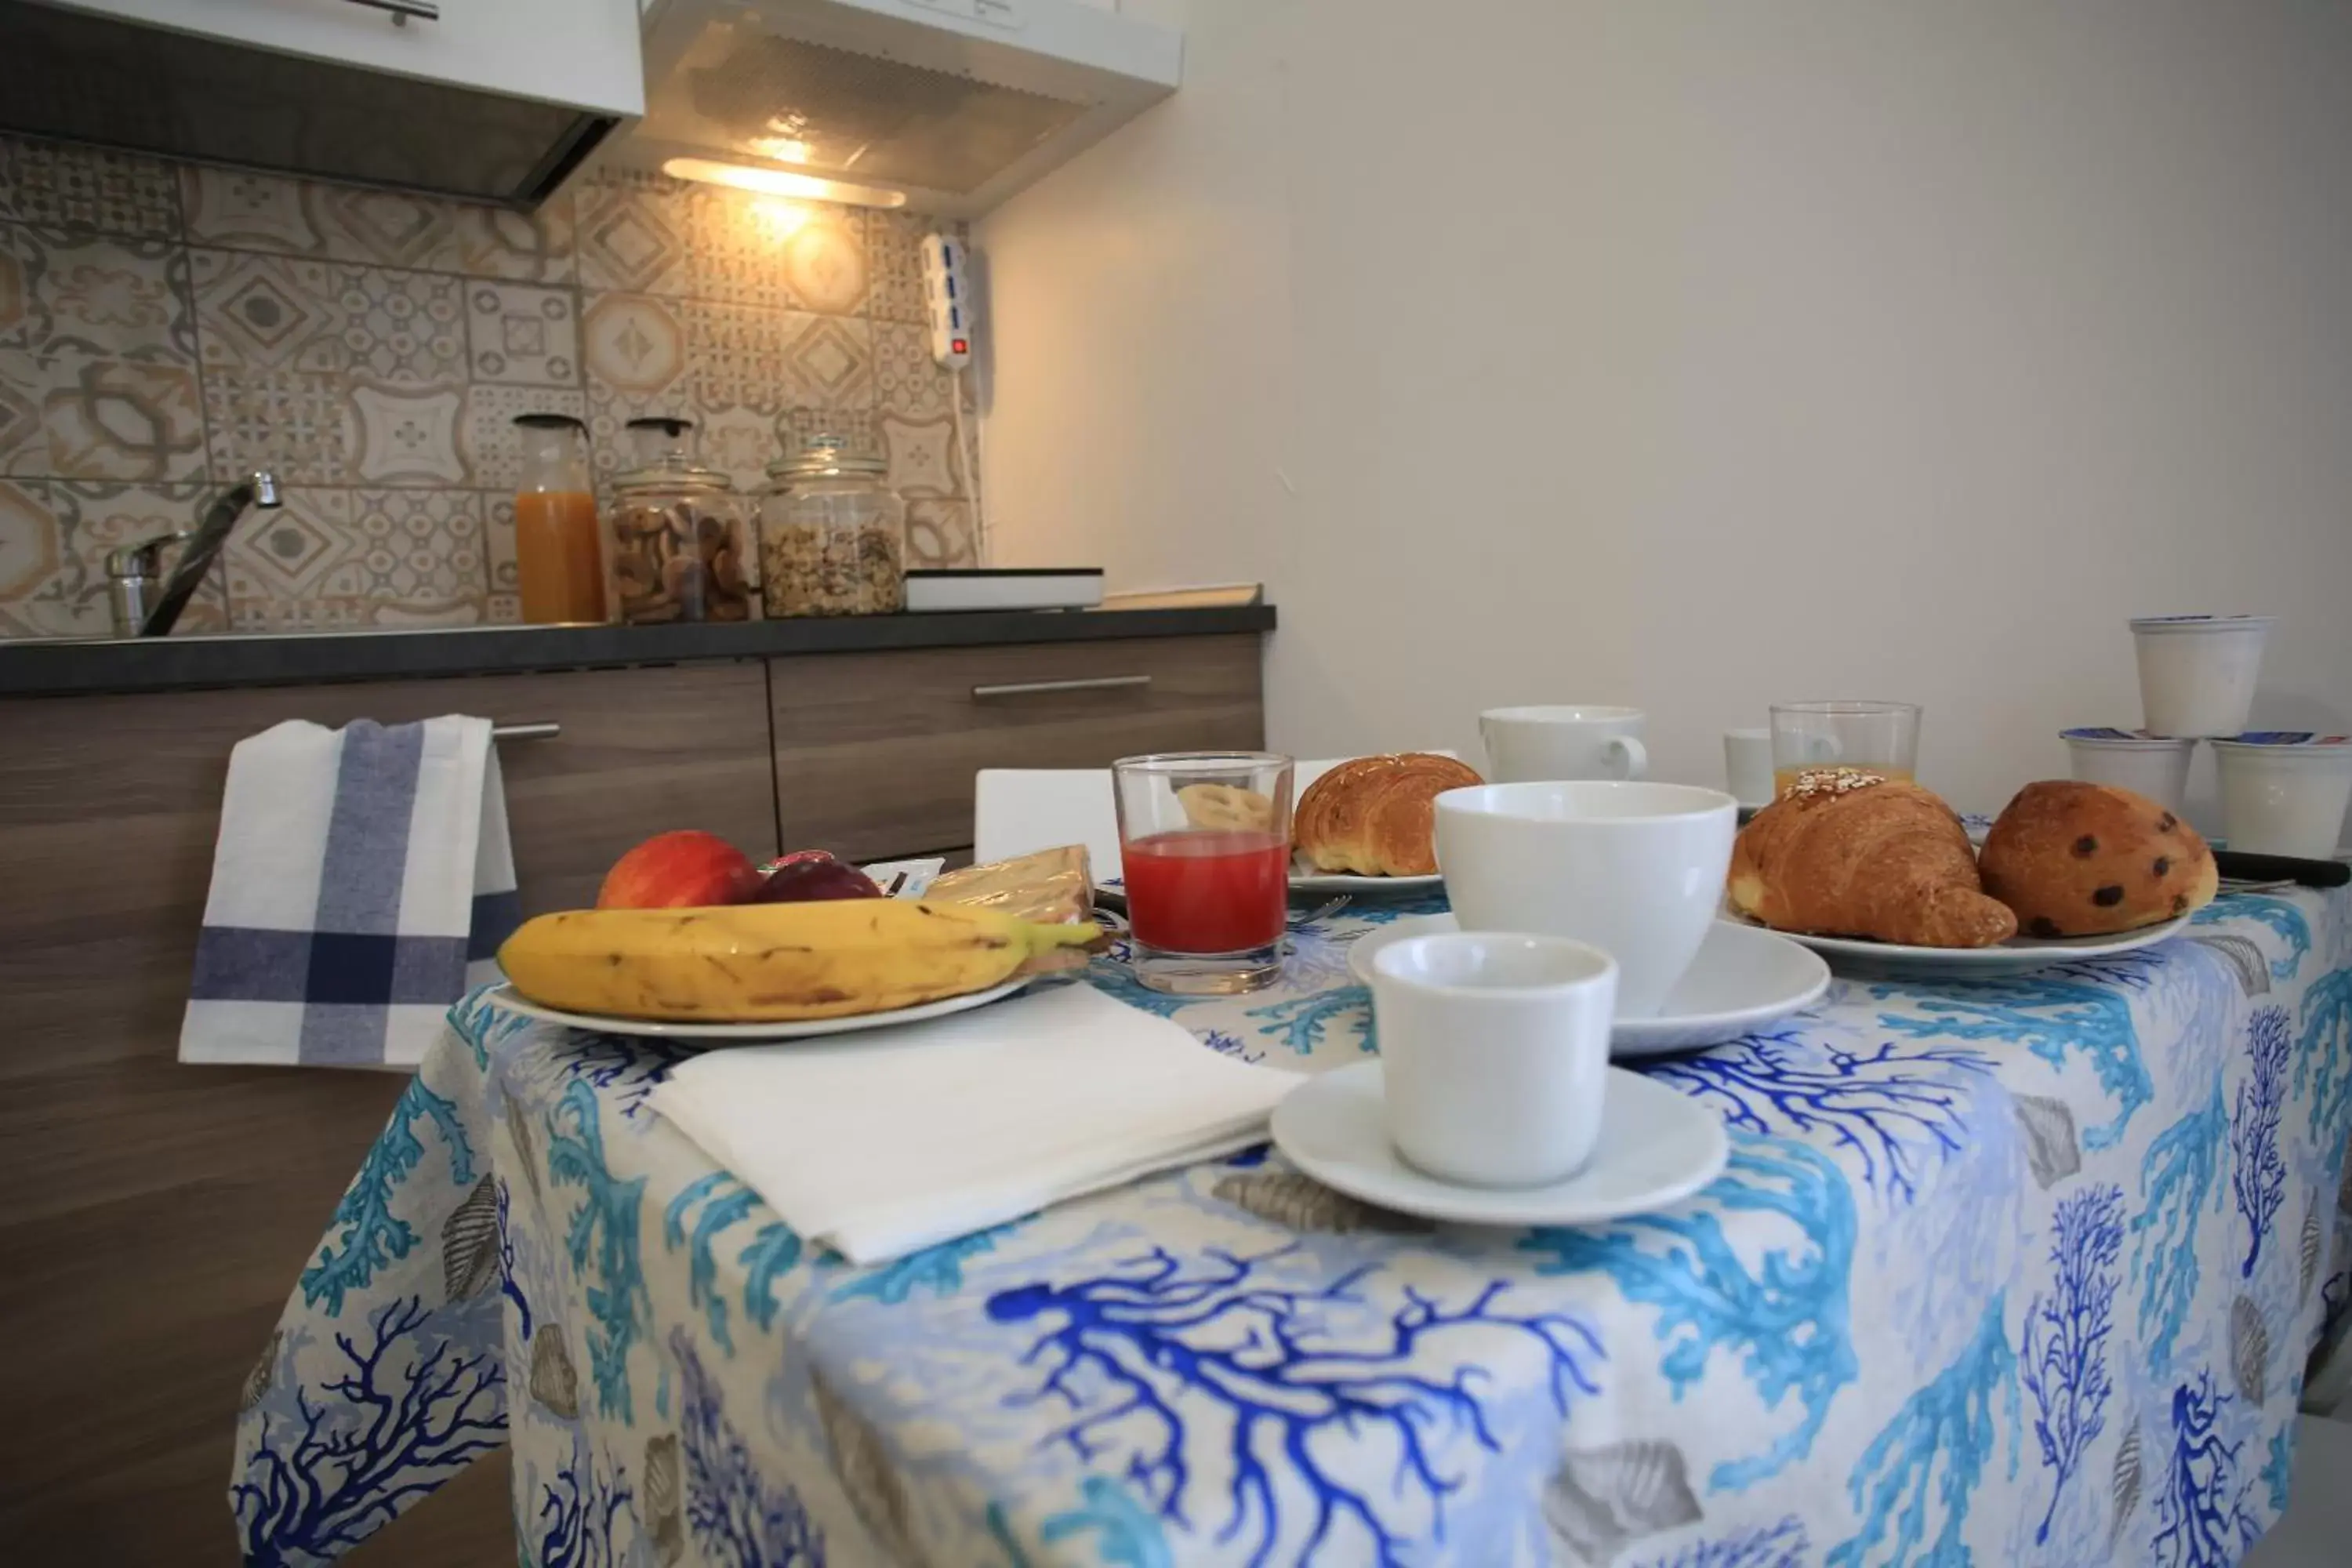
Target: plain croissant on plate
{"points": [[1850, 854]]}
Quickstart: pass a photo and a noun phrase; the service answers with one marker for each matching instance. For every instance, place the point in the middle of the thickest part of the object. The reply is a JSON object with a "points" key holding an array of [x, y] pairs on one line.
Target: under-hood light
{"points": [[781, 183]]}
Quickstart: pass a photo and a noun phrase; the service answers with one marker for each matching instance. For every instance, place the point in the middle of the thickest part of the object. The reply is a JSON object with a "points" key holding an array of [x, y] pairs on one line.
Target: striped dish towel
{"points": [[362, 883]]}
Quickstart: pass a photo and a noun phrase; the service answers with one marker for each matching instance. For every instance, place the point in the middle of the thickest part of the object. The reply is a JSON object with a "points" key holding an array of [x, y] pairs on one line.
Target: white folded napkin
{"points": [[882, 1143]]}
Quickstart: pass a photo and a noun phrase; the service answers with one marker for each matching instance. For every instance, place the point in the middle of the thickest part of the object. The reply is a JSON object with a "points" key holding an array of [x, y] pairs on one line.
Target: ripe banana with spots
{"points": [[770, 962]]}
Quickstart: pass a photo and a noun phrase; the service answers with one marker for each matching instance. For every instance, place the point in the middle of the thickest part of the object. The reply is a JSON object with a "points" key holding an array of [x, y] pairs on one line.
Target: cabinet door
{"points": [[157, 1215], [583, 53], [875, 752]]}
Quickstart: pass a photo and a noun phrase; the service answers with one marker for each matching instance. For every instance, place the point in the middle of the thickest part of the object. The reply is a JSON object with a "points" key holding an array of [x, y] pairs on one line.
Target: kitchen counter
{"points": [[74, 667]]}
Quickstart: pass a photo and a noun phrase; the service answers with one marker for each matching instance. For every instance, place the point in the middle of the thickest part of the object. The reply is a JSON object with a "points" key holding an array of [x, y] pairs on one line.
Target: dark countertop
{"points": [[75, 668]]}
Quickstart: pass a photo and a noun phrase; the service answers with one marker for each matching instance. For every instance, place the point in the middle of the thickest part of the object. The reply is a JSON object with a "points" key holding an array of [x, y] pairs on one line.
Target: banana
{"points": [[761, 963]]}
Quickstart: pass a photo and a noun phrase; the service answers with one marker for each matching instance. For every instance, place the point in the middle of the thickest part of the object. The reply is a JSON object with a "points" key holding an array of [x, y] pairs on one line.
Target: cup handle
{"points": [[1637, 759]]}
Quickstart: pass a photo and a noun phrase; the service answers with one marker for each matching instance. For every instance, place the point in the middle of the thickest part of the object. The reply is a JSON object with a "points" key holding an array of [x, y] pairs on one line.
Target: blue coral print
{"points": [[2019, 1271]]}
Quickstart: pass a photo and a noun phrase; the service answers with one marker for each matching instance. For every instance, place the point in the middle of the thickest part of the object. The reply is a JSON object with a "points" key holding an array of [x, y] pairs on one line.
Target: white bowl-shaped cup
{"points": [[2284, 792], [1634, 869], [1564, 740], [1494, 1054], [2156, 766], [2197, 673]]}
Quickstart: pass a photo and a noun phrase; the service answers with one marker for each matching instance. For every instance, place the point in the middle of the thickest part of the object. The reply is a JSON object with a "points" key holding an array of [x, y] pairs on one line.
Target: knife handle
{"points": [[2245, 868]]}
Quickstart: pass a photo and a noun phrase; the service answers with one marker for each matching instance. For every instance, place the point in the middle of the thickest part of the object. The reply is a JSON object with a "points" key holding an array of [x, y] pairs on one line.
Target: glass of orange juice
{"points": [[559, 550], [1878, 737]]}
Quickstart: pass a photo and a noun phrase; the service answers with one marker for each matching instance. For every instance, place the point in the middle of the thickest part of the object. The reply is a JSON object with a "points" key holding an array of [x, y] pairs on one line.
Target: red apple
{"points": [[802, 881], [687, 869]]}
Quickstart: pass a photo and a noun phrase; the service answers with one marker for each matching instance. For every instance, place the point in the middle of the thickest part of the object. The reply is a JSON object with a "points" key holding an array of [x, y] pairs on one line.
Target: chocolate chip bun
{"points": [[2084, 860]]}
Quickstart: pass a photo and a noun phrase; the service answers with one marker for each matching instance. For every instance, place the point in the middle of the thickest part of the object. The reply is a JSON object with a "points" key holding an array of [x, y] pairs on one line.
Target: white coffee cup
{"points": [[2156, 766], [1747, 765], [2197, 673], [1636, 870], [1494, 1054], [1571, 741], [2285, 792]]}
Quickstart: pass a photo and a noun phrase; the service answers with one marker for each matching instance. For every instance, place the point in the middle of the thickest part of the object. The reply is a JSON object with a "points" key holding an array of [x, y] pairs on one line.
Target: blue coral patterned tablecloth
{"points": [[2022, 1271]]}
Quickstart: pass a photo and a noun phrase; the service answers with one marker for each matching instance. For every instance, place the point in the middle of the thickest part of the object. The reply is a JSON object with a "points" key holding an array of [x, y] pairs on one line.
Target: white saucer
{"points": [[1656, 1148], [1744, 979], [514, 1000], [2018, 955]]}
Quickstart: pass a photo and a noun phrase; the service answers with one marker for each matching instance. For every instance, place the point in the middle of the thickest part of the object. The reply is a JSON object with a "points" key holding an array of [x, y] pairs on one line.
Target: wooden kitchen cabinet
{"points": [[156, 1215], [875, 752]]}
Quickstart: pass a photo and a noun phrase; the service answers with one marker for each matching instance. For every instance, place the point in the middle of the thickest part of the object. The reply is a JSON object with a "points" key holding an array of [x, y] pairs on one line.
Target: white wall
{"points": [[1692, 354]]}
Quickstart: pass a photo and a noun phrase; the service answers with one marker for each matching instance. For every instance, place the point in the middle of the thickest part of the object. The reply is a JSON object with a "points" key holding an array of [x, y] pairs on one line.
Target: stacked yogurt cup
{"points": [[2283, 792]]}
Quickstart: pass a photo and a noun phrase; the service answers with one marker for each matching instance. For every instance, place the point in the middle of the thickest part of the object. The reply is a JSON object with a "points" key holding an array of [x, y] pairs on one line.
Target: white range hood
{"points": [[952, 104]]}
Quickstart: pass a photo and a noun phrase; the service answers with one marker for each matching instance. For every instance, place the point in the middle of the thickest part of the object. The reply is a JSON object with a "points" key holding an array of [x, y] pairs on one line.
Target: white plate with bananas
{"points": [[514, 1000]]}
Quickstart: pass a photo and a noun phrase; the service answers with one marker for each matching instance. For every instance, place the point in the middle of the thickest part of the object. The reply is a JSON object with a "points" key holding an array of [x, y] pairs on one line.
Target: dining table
{"points": [[2003, 1269]]}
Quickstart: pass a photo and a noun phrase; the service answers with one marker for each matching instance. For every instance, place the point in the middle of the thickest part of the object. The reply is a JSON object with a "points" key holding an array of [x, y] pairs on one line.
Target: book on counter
{"points": [[1006, 588]]}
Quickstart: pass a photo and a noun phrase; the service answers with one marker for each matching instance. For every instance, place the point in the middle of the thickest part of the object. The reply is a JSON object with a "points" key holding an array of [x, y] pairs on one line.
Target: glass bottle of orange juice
{"points": [[558, 555]]}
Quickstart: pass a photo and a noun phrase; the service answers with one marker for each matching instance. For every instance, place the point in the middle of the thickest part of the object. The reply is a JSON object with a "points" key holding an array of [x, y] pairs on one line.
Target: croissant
{"points": [[1847, 853], [1374, 817]]}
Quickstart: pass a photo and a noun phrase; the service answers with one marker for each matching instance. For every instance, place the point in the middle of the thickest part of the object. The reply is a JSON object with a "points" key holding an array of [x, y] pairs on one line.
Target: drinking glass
{"points": [[1204, 848], [1879, 737]]}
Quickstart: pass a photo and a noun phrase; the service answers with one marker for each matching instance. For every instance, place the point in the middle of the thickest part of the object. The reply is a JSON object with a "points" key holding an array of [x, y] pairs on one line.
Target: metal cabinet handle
{"points": [[402, 10], [546, 730], [1036, 687]]}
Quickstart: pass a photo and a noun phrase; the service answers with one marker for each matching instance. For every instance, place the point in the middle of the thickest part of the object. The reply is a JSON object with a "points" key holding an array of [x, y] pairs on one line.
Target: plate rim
{"points": [[2015, 953], [505, 994], [1481, 1213], [1357, 882]]}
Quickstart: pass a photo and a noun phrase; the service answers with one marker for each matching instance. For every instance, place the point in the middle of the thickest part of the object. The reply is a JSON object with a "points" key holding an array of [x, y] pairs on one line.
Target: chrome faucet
{"points": [[131, 572]]}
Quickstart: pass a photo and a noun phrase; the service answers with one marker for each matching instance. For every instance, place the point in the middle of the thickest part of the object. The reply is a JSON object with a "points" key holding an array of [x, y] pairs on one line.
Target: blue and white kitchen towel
{"points": [[363, 882]]}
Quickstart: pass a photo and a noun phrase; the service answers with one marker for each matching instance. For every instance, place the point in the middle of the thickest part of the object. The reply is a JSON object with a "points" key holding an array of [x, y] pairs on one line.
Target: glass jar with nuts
{"points": [[832, 536], [679, 549]]}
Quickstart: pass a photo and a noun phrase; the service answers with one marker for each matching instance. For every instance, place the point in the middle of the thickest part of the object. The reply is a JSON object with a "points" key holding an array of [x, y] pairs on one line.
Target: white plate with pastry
{"points": [[1365, 825], [1744, 979], [2069, 871]]}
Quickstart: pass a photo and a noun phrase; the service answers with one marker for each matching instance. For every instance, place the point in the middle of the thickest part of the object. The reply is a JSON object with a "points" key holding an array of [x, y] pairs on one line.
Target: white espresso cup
{"points": [[1636, 870], [1572, 740], [2285, 792], [1494, 1054]]}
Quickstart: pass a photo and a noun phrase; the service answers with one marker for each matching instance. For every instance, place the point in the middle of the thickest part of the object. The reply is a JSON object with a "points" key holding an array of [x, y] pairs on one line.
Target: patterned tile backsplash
{"points": [[163, 328]]}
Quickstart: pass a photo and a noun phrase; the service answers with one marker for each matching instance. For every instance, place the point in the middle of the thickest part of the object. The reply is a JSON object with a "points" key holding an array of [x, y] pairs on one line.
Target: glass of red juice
{"points": [[1204, 851]]}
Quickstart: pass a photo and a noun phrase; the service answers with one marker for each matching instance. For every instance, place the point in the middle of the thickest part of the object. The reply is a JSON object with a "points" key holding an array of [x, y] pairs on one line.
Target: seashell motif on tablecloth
{"points": [[1302, 1202], [2245, 960], [554, 1380], [264, 1373], [1601, 1499], [2124, 1486], [2051, 1146], [2249, 1349], [862, 1461], [469, 1242], [665, 1516], [526, 1147], [2308, 1254]]}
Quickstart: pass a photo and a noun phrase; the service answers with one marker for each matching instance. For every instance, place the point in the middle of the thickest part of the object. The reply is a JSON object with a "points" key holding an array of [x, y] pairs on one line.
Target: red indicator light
{"points": [[960, 346]]}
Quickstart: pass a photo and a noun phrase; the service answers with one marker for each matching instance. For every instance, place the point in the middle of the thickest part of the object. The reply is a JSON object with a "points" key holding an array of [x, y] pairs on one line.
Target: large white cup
{"points": [[2284, 792], [1636, 870], [1494, 1054], [1571, 741], [2197, 673], [2156, 766]]}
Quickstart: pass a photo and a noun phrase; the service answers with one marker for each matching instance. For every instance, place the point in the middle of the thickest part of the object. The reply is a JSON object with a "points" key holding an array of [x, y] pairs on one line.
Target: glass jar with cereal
{"points": [[832, 536]]}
